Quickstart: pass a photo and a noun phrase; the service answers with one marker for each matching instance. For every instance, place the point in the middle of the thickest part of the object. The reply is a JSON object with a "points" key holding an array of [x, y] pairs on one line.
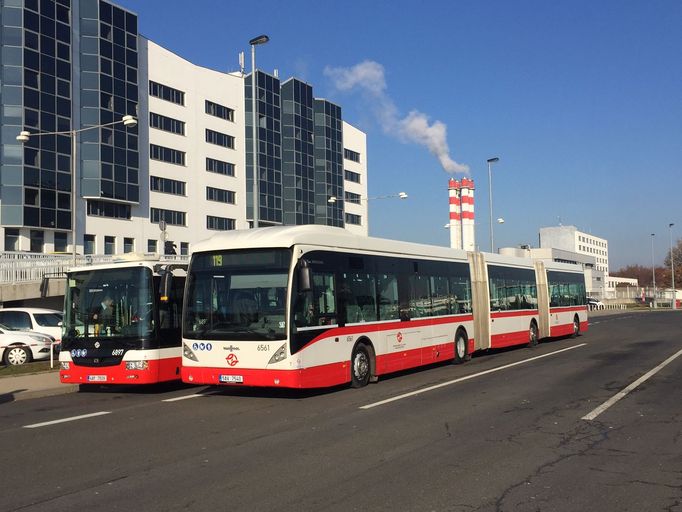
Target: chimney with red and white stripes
{"points": [[455, 214], [468, 218]]}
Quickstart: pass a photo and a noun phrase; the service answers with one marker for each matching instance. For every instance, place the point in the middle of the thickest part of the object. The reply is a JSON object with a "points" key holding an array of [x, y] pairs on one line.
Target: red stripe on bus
{"points": [[507, 314]]}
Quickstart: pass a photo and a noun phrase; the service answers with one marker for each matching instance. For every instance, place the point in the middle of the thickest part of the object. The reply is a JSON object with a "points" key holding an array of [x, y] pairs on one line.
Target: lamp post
{"points": [[399, 195], [23, 137], [653, 268], [262, 39], [672, 267], [491, 161]]}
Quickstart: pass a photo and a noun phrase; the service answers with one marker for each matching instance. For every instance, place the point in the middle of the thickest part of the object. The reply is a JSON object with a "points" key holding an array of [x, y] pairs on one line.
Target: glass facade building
{"points": [[328, 164]]}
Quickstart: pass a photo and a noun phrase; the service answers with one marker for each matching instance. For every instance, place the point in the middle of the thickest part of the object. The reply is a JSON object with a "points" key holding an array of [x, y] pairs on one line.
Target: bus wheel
{"points": [[460, 347], [576, 327], [360, 366], [533, 334]]}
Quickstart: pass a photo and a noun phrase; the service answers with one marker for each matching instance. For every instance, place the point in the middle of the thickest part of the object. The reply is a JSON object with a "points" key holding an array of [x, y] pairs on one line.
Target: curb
{"points": [[16, 396]]}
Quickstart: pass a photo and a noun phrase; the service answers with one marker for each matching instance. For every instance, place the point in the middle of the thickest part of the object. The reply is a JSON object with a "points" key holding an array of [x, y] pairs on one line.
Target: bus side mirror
{"points": [[304, 277], [166, 286]]}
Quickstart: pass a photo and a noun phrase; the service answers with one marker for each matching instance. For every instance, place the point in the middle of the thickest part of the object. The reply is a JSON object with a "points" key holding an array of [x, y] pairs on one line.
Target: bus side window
{"points": [[388, 297]]}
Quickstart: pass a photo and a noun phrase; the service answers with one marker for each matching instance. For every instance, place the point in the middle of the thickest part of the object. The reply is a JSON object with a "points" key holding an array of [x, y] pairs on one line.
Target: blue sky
{"points": [[580, 100]]}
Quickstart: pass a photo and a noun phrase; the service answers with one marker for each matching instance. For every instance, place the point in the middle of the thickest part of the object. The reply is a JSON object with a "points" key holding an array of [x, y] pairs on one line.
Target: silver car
{"points": [[20, 347]]}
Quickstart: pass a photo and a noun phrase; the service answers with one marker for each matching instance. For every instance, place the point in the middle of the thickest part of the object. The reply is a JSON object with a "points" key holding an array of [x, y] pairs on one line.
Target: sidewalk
{"points": [[33, 385]]}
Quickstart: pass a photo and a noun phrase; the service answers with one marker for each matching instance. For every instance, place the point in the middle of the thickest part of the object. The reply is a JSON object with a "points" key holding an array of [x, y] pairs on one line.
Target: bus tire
{"points": [[461, 343], [533, 334], [360, 366], [576, 326]]}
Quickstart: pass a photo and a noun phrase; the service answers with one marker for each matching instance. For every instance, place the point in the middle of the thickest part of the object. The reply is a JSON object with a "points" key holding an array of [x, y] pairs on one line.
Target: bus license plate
{"points": [[97, 378], [234, 379]]}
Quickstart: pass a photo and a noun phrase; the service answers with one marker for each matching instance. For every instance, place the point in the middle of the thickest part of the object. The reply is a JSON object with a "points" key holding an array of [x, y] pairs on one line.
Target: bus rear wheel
{"points": [[360, 366], [460, 347], [533, 334]]}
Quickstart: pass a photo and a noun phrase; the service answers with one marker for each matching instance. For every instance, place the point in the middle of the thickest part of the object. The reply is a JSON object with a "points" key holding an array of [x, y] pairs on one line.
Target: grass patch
{"points": [[25, 369]]}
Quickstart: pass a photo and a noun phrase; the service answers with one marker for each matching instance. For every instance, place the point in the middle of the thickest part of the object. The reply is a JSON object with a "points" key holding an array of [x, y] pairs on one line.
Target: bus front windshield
{"points": [[237, 295], [109, 303]]}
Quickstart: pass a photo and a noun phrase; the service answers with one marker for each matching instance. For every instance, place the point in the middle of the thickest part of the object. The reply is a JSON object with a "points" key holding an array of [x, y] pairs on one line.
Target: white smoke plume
{"points": [[368, 77]]}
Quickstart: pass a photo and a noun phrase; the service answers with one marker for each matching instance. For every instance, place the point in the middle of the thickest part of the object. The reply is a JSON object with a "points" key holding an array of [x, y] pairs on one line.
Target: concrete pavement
{"points": [[33, 385]]}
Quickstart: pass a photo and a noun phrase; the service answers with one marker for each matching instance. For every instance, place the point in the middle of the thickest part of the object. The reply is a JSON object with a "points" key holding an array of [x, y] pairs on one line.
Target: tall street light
{"points": [[653, 268], [491, 161], [262, 39], [672, 266], [23, 137]]}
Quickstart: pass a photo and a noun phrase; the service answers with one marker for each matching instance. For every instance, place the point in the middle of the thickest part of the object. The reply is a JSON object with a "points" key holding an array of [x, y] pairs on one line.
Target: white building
{"points": [[569, 238]]}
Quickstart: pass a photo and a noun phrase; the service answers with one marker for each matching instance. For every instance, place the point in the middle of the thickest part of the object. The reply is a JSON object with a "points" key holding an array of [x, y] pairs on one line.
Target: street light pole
{"points": [[491, 161], [262, 39], [653, 268], [24, 135], [672, 267]]}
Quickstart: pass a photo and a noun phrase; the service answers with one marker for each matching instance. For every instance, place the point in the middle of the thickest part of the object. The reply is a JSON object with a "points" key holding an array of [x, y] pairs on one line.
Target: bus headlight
{"points": [[64, 365], [187, 352], [137, 365], [279, 355]]}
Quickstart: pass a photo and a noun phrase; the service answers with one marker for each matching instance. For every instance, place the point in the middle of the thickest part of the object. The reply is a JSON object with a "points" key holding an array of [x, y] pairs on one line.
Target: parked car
{"points": [[46, 321], [595, 304], [20, 347]]}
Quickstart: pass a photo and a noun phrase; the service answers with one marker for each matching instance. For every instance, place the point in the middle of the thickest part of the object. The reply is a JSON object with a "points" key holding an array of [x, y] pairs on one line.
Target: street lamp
{"points": [[23, 137], [672, 266], [399, 195], [491, 161], [262, 39], [653, 268]]}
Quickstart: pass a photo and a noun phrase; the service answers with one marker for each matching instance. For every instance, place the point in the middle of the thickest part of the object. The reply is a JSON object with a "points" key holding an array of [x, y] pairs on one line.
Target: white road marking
{"points": [[623, 393], [64, 420], [468, 377], [183, 397]]}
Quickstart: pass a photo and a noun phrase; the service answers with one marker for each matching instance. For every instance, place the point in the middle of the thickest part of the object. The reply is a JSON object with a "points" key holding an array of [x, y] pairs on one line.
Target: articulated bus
{"points": [[122, 322], [316, 306]]}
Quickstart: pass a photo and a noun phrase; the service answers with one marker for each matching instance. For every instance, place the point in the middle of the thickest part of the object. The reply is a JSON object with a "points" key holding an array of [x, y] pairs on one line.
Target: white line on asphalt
{"points": [[64, 420], [473, 376], [622, 394], [183, 397]]}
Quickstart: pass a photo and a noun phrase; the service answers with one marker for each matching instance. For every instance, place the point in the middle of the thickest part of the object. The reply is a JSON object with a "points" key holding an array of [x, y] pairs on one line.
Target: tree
{"points": [[642, 274], [677, 260]]}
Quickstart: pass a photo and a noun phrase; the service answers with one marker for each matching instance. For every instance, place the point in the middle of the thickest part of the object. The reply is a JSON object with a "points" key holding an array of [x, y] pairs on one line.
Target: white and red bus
{"points": [[138, 341], [316, 306]]}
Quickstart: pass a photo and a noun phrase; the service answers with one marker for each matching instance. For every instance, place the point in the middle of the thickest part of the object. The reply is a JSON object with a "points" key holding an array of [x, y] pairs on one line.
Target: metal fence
{"points": [[27, 267]]}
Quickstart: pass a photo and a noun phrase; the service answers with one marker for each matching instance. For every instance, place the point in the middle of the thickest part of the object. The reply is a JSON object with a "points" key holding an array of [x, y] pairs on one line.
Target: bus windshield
{"points": [[237, 295], [109, 303]]}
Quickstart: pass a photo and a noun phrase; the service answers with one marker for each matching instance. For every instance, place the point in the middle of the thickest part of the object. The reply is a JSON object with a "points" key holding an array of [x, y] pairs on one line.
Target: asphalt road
{"points": [[507, 431]]}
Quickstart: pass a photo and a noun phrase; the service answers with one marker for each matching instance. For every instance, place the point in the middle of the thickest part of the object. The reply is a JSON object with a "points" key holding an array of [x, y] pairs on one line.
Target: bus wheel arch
{"points": [[533, 336], [576, 326], [362, 364], [461, 346]]}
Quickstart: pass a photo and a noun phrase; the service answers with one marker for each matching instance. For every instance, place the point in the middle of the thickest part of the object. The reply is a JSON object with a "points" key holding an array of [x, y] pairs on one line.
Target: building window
{"points": [[166, 93], [351, 155], [128, 245], [220, 195], [167, 124], [220, 111], [151, 245], [219, 223], [59, 241], [163, 154], [352, 198], [110, 210], [219, 167], [11, 239], [219, 139], [109, 245], [89, 244], [184, 248], [167, 186], [351, 176], [351, 218], [172, 217], [37, 240]]}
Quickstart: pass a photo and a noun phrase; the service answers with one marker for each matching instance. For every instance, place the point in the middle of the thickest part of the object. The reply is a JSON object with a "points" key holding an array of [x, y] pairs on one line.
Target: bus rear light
{"points": [[187, 352], [137, 365], [279, 355], [64, 365]]}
